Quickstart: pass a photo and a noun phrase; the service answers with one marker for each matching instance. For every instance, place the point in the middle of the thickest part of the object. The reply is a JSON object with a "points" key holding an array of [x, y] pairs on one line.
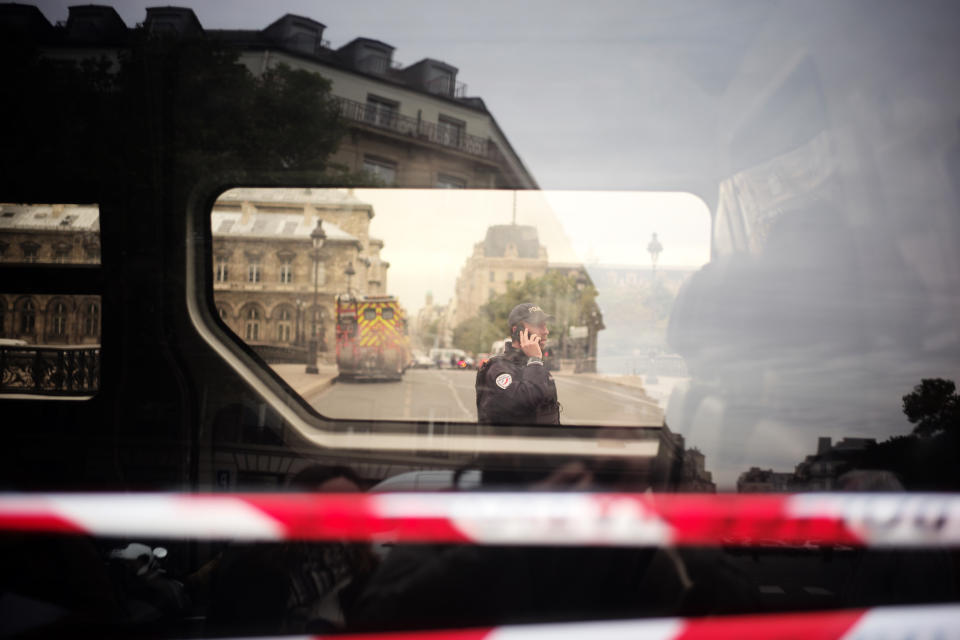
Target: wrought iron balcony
{"points": [[62, 371], [442, 134]]}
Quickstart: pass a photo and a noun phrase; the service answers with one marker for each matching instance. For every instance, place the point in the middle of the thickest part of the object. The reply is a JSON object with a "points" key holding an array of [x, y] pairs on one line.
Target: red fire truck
{"points": [[372, 337]]}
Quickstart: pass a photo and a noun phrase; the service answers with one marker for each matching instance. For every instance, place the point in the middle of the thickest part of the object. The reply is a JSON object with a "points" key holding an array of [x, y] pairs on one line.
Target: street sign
{"points": [[577, 333]]}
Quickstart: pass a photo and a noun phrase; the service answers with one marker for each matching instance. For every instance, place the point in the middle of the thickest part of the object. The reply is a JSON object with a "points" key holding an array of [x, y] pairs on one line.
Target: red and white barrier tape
{"points": [[940, 622], [873, 520]]}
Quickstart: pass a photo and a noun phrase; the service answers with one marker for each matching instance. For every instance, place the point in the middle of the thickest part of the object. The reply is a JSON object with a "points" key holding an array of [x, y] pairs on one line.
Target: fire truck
{"points": [[372, 339]]}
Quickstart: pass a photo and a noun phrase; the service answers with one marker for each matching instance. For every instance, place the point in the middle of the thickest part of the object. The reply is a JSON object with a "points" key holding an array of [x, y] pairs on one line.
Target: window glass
{"points": [[445, 181], [49, 342], [381, 111], [453, 289], [383, 170]]}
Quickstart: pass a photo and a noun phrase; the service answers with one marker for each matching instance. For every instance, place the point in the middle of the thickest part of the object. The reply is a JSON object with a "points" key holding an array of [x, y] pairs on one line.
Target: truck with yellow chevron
{"points": [[372, 340]]}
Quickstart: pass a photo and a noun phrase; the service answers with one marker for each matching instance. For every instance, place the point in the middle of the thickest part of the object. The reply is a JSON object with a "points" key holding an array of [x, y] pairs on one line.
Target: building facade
{"points": [[51, 234], [263, 263], [409, 126], [507, 253]]}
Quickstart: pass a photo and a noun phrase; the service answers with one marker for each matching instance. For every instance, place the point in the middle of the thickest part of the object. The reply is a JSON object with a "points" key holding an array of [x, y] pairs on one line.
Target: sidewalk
{"points": [[307, 384]]}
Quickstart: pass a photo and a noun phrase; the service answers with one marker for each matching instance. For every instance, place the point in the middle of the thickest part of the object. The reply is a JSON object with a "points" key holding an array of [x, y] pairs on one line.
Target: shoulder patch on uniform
{"points": [[503, 380]]}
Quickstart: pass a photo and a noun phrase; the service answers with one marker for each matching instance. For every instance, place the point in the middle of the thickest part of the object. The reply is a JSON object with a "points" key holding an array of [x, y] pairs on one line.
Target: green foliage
{"points": [[571, 303], [476, 334], [933, 406]]}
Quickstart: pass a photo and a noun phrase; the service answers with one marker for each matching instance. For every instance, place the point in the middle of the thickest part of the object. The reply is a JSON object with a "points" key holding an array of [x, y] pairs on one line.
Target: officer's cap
{"points": [[527, 312]]}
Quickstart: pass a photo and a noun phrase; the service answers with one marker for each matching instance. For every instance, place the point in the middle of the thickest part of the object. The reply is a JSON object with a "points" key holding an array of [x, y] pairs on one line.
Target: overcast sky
{"points": [[429, 234]]}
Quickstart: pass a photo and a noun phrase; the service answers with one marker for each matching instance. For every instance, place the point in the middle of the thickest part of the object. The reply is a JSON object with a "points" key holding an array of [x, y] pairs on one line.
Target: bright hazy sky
{"points": [[428, 234]]}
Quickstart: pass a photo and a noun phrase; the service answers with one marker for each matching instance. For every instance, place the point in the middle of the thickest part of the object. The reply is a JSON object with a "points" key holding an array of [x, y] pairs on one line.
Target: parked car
{"points": [[421, 361]]}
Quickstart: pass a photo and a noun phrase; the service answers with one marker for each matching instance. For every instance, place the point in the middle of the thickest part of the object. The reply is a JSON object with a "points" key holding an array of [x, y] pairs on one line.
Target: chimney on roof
{"points": [[246, 212], [824, 445]]}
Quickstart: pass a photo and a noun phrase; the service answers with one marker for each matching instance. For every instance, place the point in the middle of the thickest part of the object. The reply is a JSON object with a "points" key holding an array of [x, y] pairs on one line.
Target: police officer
{"points": [[515, 388]]}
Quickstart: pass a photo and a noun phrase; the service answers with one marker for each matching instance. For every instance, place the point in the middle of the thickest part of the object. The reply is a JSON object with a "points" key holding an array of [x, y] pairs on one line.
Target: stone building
{"points": [[263, 269], [817, 472], [431, 328], [757, 480], [51, 234], [410, 126], [507, 253]]}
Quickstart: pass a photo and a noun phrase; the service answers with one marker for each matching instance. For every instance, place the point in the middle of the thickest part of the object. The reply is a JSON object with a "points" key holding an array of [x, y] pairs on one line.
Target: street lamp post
{"points": [[317, 236], [654, 248], [581, 284], [299, 331]]}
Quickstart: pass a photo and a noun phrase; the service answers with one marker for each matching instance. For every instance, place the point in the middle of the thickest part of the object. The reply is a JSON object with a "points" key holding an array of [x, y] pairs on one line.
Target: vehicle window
{"points": [[607, 279], [49, 334], [66, 234], [623, 332]]}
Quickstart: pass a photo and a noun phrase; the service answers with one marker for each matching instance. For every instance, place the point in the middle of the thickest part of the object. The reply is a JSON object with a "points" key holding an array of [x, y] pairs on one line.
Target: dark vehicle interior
{"points": [[812, 352]]}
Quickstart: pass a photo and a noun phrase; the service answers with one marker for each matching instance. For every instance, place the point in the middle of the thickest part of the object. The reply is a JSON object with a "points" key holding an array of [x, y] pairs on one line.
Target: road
{"points": [[444, 395]]}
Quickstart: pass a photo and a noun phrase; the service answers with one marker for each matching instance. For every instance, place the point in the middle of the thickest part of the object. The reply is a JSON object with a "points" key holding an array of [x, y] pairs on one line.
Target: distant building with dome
{"points": [[508, 252]]}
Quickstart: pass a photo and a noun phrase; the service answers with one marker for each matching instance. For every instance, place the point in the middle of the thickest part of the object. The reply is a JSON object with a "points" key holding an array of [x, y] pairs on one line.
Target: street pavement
{"points": [[307, 384], [445, 395]]}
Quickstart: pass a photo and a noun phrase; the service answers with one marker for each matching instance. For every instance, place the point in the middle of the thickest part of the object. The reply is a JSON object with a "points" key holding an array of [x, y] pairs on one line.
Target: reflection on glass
{"points": [[49, 344], [418, 284]]}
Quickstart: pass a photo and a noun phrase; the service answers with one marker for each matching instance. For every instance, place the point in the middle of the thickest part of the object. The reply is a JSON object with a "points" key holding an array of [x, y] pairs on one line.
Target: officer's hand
{"points": [[530, 345]]}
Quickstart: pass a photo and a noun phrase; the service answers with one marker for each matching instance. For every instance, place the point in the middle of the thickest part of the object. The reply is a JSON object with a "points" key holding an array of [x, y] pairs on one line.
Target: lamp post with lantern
{"points": [[317, 236], [299, 332]]}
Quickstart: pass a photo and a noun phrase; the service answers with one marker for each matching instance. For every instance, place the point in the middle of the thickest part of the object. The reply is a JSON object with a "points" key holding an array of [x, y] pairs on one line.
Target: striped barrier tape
{"points": [[862, 520], [935, 622]]}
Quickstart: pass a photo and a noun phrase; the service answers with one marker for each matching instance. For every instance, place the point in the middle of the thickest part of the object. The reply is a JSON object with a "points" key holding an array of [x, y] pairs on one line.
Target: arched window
{"points": [[58, 320], [91, 321], [223, 313], [28, 317], [253, 324]]}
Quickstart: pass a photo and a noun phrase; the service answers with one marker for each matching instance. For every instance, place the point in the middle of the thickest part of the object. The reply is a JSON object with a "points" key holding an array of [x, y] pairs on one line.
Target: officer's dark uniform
{"points": [[515, 389]]}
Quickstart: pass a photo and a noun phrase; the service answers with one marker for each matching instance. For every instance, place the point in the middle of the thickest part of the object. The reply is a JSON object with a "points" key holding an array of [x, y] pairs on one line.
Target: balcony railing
{"points": [[391, 120], [63, 371], [446, 86]]}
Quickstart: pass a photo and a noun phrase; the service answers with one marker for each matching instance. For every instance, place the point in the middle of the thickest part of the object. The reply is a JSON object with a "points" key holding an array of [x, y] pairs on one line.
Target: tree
{"points": [[164, 103], [569, 299], [934, 407], [476, 334]]}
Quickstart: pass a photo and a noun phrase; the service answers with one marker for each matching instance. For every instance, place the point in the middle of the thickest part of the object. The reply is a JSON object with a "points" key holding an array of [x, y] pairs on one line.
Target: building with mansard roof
{"points": [[263, 269], [409, 125], [60, 234], [508, 252]]}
